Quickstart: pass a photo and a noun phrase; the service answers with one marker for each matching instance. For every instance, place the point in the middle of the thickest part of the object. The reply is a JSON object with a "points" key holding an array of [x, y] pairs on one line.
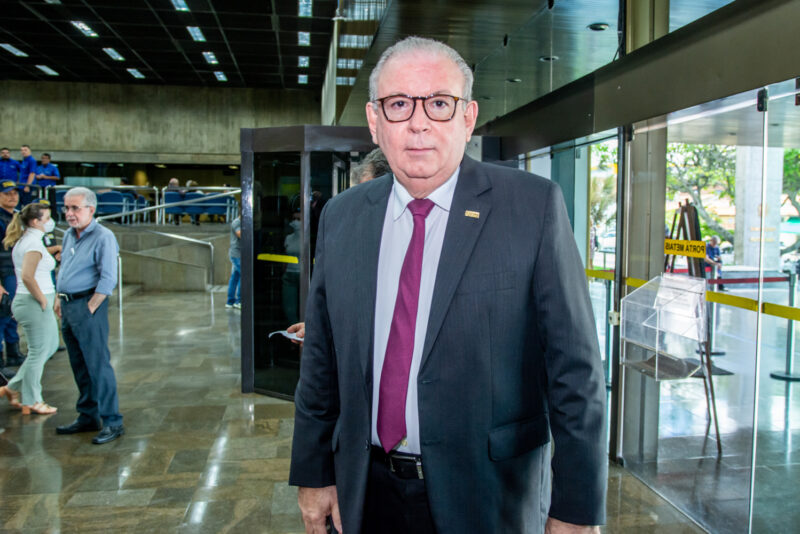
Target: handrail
{"points": [[170, 205], [189, 240]]}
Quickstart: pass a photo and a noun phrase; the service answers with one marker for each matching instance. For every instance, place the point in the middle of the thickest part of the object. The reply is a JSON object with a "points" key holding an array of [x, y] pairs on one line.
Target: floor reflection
{"points": [[198, 455]]}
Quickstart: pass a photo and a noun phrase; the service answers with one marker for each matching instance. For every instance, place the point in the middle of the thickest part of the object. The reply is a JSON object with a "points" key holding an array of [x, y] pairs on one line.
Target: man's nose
{"points": [[419, 121]]}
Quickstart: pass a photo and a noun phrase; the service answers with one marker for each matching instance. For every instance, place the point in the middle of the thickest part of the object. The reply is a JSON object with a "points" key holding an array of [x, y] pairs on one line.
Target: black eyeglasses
{"points": [[399, 108]]}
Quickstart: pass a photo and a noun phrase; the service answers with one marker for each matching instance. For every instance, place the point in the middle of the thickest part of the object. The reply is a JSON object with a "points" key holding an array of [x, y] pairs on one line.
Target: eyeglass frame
{"points": [[414, 105], [74, 209]]}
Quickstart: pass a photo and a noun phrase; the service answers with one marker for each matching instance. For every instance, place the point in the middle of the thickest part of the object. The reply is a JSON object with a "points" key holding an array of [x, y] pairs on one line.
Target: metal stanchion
{"points": [[712, 316], [788, 375], [609, 304]]}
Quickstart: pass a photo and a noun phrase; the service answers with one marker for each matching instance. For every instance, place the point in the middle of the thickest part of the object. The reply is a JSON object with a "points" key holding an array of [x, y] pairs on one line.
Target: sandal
{"points": [[12, 396], [40, 408]]}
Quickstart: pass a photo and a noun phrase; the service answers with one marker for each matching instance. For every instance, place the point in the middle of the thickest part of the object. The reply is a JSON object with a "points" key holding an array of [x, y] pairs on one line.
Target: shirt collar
{"points": [[92, 225], [442, 196]]}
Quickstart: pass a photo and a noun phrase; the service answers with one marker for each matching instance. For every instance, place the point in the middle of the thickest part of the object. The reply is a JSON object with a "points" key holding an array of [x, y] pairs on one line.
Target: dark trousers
{"points": [[394, 505], [8, 325], [86, 337]]}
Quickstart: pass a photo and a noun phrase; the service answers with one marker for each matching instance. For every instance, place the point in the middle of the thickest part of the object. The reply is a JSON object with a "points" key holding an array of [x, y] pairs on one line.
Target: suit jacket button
{"points": [[366, 445]]}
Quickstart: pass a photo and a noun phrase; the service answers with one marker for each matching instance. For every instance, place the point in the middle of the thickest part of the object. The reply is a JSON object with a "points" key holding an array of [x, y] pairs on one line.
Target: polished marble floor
{"points": [[198, 455]]}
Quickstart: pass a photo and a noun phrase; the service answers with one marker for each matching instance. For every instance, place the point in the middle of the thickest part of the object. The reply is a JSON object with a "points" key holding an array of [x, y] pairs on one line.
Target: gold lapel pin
{"points": [[473, 214]]}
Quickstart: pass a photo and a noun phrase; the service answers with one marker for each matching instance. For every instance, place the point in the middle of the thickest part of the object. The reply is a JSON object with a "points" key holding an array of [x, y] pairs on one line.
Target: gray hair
{"points": [[373, 165], [421, 44], [89, 198]]}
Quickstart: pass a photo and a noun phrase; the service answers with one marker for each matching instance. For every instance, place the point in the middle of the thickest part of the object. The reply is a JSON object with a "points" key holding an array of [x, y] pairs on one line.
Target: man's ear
{"points": [[372, 121], [471, 117]]}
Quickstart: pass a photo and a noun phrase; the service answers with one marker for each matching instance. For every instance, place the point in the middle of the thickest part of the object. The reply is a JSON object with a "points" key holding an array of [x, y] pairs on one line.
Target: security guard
{"points": [[9, 198]]}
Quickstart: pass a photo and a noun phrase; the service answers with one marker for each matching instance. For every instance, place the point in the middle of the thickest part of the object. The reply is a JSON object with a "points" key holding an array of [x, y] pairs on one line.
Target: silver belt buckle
{"points": [[64, 296]]}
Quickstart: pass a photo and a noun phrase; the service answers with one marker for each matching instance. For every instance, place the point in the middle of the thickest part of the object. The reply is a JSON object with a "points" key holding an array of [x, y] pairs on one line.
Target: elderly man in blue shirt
{"points": [[9, 168], [47, 174], [87, 277]]}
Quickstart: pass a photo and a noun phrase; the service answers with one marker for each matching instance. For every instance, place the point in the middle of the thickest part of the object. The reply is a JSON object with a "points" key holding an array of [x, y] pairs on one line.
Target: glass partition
{"points": [[697, 448]]}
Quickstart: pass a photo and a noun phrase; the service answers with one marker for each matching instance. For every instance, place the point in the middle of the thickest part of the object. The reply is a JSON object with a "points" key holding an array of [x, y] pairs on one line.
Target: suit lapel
{"points": [[369, 227], [468, 213]]}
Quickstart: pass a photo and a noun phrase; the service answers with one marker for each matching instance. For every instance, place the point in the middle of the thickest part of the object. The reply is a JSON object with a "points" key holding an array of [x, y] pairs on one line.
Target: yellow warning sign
{"points": [[678, 247]]}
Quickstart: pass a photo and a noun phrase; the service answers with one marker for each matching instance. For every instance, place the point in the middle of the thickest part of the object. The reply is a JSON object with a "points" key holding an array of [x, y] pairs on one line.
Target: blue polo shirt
{"points": [[9, 170], [48, 170], [28, 166], [89, 262]]}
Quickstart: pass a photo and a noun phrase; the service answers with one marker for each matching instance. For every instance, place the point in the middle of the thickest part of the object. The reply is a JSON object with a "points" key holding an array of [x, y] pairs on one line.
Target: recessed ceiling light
{"points": [[302, 61], [234, 167], [345, 80], [196, 33], [302, 79], [304, 38], [13, 49], [220, 76], [548, 59], [116, 56], [598, 26], [135, 73], [160, 166], [304, 8], [84, 28], [52, 1], [349, 63], [47, 70], [514, 80], [211, 59], [180, 5]]}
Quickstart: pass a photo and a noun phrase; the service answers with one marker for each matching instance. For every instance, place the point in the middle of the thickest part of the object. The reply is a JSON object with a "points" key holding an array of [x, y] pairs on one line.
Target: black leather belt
{"points": [[67, 297], [406, 466]]}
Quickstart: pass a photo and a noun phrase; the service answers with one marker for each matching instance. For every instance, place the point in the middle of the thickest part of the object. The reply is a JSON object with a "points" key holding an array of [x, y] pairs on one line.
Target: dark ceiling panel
{"points": [[152, 36]]}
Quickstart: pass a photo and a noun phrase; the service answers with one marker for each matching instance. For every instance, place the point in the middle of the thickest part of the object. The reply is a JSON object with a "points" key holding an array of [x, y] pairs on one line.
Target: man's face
{"points": [[5, 154], [25, 151], [78, 215], [45, 160], [422, 153], [9, 200]]}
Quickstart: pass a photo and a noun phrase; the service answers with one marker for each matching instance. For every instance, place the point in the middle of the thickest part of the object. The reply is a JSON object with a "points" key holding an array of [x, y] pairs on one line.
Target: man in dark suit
{"points": [[449, 333]]}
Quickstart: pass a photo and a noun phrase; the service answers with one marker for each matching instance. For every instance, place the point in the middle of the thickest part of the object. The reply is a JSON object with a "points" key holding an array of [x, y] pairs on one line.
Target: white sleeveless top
{"points": [[31, 240]]}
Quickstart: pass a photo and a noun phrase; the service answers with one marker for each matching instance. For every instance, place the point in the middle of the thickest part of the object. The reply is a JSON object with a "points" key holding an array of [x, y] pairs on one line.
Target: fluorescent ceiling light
{"points": [[304, 8], [135, 73], [13, 49], [160, 166], [180, 5], [304, 38], [47, 70], [113, 54], [84, 28], [220, 76], [349, 63], [355, 41], [302, 61], [196, 34], [211, 59], [345, 80], [52, 1], [302, 79]]}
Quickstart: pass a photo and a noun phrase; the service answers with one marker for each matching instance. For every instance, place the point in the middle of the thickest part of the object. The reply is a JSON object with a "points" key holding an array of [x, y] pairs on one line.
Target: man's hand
{"points": [[57, 307], [554, 526], [316, 504], [300, 330], [3, 291]]}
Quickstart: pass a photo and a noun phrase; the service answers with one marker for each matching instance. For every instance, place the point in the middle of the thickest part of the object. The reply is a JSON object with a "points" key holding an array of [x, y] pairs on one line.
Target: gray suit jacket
{"points": [[510, 357]]}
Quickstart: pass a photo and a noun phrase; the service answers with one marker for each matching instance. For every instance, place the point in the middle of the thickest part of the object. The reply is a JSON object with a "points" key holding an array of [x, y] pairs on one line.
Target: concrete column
{"points": [[749, 210]]}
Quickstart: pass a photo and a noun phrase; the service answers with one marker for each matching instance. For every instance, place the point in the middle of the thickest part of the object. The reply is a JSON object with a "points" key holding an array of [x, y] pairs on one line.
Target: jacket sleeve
{"points": [[317, 394], [576, 385]]}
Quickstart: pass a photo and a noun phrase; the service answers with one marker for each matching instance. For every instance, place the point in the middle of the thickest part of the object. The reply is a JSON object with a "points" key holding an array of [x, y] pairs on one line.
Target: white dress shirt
{"points": [[398, 225]]}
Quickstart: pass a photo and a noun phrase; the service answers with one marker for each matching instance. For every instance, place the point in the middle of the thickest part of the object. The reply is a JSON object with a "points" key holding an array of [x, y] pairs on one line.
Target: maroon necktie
{"points": [[400, 348]]}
